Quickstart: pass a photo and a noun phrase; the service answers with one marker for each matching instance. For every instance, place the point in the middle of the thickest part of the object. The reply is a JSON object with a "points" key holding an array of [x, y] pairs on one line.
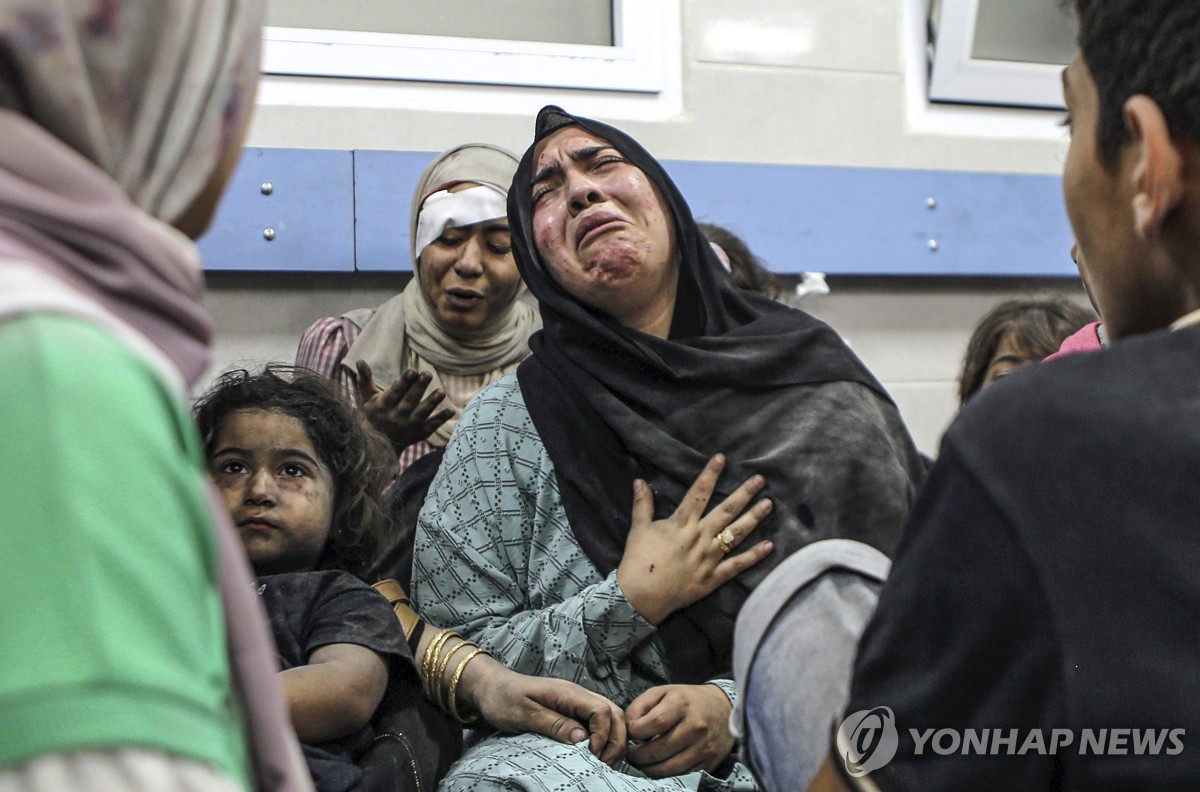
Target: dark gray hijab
{"points": [[774, 389]]}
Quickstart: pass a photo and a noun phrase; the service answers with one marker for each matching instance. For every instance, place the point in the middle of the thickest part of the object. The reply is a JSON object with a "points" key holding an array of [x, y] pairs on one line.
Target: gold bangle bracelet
{"points": [[441, 669], [445, 652], [427, 659], [454, 686], [429, 663]]}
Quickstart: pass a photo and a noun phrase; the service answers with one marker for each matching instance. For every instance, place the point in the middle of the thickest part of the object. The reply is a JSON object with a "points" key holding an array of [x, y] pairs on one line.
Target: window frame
{"points": [[635, 64], [956, 76]]}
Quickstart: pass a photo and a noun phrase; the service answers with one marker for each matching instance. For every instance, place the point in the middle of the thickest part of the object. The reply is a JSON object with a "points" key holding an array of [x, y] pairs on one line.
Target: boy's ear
{"points": [[1158, 165]]}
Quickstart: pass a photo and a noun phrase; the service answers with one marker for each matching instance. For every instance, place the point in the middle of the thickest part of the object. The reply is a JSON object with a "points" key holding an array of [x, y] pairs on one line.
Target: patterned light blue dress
{"points": [[496, 560]]}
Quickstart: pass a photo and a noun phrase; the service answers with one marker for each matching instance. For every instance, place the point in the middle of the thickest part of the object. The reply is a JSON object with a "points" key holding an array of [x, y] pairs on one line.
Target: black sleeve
{"points": [[346, 610], [961, 639]]}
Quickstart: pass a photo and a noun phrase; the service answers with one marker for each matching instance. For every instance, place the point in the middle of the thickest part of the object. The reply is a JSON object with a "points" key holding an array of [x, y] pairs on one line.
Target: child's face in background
{"points": [[278, 491]]}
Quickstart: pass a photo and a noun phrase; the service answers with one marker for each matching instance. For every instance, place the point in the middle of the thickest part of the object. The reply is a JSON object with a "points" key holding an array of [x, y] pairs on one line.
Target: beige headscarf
{"points": [[405, 332], [114, 116]]}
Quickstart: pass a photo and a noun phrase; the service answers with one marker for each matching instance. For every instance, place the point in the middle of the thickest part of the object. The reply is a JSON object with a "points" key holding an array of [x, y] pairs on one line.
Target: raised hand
{"points": [[669, 564], [399, 413], [680, 728]]}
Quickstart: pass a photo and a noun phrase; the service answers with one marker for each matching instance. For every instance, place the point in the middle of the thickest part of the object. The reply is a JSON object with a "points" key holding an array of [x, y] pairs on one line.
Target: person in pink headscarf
{"points": [[135, 655]]}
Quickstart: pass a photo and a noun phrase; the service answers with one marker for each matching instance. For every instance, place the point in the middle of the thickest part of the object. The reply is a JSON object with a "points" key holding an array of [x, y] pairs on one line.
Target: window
{"points": [[1004, 52], [588, 21], [613, 45]]}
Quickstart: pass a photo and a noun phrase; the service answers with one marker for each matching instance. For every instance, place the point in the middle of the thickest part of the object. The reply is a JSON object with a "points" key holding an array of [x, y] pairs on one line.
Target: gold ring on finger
{"points": [[724, 541]]}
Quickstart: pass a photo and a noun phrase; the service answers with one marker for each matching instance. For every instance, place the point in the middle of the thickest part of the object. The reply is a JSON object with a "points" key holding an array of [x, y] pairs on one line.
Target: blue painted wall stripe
{"points": [[342, 210], [383, 187], [309, 211], [863, 221]]}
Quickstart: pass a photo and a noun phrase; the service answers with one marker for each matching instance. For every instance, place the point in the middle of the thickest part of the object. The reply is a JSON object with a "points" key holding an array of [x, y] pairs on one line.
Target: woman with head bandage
{"points": [[413, 363]]}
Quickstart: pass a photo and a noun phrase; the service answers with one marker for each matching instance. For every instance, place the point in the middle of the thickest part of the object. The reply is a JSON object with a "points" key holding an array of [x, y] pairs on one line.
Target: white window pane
{"points": [[1007, 52], [1026, 31], [556, 21]]}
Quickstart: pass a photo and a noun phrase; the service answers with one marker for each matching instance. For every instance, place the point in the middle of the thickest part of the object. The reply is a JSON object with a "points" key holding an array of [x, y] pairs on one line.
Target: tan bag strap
{"points": [[400, 605]]}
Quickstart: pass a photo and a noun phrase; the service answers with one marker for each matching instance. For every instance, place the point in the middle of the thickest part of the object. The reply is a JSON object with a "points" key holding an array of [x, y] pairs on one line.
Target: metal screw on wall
{"points": [[269, 234], [266, 188], [932, 204]]}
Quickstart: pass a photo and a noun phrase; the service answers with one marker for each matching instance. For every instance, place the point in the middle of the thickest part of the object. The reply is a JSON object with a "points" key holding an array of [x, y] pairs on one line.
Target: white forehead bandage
{"points": [[445, 209]]}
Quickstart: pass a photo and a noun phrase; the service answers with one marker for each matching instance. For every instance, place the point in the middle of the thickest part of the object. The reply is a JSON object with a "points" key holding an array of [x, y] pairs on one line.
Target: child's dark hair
{"points": [[1147, 47], [748, 271], [1037, 325], [355, 455]]}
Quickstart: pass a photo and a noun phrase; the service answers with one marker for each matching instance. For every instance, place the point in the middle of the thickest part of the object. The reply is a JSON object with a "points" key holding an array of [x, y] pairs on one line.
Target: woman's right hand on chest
{"points": [[670, 563]]}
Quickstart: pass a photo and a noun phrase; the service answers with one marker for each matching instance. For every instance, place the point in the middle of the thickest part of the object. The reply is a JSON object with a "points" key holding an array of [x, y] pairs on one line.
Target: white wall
{"points": [[911, 334], [819, 82], [823, 82]]}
